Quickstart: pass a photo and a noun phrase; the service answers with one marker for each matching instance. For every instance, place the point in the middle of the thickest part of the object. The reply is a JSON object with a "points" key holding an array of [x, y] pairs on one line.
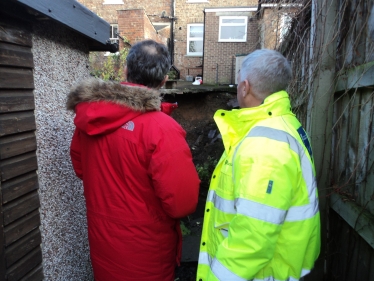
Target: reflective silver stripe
{"points": [[224, 205], [205, 258], [295, 213], [222, 273], [304, 272], [298, 213], [260, 211]]}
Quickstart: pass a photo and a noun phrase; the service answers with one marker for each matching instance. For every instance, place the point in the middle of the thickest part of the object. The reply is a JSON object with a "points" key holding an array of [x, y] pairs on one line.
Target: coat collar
{"points": [[235, 124], [136, 97]]}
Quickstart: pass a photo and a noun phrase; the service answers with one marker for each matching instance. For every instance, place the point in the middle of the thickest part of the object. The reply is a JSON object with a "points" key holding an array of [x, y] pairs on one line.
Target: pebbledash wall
{"points": [[60, 59]]}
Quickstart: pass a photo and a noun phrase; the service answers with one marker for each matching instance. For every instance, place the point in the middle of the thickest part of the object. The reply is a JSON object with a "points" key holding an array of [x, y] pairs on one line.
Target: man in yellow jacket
{"points": [[261, 218]]}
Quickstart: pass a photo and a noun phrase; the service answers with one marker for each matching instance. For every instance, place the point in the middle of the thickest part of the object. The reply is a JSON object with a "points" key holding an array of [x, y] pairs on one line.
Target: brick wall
{"points": [[187, 13], [109, 12], [138, 28], [220, 57]]}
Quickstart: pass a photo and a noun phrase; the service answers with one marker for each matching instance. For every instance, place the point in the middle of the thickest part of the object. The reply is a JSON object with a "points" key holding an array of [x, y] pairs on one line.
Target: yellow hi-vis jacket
{"points": [[261, 218]]}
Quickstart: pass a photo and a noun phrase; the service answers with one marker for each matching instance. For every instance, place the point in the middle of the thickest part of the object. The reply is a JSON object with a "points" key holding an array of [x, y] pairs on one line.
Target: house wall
{"points": [[192, 12], [139, 27], [108, 12], [220, 57], [60, 59]]}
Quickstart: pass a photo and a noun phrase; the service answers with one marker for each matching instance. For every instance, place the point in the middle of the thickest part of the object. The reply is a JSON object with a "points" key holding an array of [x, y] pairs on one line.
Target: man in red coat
{"points": [[137, 170]]}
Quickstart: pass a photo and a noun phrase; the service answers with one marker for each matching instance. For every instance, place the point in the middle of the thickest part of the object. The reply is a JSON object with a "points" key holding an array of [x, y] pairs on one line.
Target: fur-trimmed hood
{"points": [[137, 98], [102, 107]]}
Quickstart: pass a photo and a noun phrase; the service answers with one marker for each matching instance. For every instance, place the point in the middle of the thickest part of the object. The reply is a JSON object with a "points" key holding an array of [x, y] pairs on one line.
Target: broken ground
{"points": [[195, 114]]}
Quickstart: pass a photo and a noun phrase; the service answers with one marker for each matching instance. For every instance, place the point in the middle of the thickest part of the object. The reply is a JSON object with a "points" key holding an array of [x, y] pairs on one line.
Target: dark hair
{"points": [[147, 63]]}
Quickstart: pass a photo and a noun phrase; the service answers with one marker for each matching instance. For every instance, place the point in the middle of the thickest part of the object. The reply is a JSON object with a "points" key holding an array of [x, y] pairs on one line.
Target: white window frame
{"points": [[113, 2], [114, 37], [245, 24], [200, 54]]}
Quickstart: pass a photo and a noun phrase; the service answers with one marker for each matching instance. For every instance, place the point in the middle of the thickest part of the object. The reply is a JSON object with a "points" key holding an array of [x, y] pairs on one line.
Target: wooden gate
{"points": [[20, 239]]}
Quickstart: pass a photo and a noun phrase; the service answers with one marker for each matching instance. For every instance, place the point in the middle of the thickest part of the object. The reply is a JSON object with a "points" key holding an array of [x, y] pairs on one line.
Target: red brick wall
{"points": [[138, 28], [187, 13], [219, 57], [153, 8]]}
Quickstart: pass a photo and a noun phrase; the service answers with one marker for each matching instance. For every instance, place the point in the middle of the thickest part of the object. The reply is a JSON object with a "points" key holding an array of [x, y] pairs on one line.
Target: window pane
{"points": [[195, 46], [233, 21], [115, 31], [196, 31], [233, 32]]}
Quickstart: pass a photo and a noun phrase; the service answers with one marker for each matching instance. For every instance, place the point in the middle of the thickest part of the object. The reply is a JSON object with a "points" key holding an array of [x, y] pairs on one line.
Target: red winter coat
{"points": [[138, 179]]}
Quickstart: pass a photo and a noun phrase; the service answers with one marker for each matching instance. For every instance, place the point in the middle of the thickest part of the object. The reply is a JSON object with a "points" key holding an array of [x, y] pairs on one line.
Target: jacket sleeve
{"points": [[263, 193], [75, 154], [173, 173]]}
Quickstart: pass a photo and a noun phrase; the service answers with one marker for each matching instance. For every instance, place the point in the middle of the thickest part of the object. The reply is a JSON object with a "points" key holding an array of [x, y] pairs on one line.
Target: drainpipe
{"points": [[202, 61], [172, 31]]}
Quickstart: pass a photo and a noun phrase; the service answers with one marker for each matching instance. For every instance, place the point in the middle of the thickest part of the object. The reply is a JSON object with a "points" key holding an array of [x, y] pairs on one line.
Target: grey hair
{"points": [[267, 71], [148, 62]]}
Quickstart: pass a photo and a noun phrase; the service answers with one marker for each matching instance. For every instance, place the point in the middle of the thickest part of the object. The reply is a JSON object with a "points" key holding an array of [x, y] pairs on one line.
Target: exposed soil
{"points": [[195, 114]]}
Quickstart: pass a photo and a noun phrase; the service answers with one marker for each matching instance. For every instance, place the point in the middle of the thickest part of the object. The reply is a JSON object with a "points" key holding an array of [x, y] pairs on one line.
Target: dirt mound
{"points": [[195, 114]]}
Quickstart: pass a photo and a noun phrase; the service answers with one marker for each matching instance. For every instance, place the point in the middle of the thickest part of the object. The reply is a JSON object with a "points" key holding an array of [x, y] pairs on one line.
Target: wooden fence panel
{"points": [[16, 100], [21, 227], [23, 246], [13, 123], [19, 186], [20, 251], [17, 144], [15, 56]]}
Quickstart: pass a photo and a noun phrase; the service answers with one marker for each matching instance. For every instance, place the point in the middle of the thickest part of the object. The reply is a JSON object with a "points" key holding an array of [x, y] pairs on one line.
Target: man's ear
{"points": [[164, 81], [246, 88], [125, 71]]}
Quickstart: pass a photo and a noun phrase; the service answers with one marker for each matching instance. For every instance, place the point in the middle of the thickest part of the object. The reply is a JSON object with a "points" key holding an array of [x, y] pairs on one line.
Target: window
{"points": [[114, 33], [113, 2], [233, 29], [195, 39]]}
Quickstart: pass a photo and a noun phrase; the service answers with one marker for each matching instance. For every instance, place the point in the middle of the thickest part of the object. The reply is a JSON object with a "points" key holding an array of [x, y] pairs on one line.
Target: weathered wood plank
{"points": [[17, 122], [15, 35], [18, 229], [14, 145], [19, 186], [21, 247], [20, 207], [357, 77], [363, 261], [34, 275], [25, 265], [16, 78], [357, 217], [13, 55], [19, 165], [16, 100], [2, 239]]}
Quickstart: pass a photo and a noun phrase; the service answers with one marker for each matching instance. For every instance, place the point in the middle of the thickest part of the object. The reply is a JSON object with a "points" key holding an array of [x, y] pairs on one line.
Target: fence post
{"points": [[320, 108]]}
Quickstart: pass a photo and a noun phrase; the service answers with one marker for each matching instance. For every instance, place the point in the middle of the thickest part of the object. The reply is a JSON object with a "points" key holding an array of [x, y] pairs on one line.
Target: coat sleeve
{"points": [[75, 154], [173, 173], [263, 192]]}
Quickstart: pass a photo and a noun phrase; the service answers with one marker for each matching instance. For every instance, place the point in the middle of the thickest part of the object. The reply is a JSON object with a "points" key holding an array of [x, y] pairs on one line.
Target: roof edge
{"points": [[75, 16]]}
